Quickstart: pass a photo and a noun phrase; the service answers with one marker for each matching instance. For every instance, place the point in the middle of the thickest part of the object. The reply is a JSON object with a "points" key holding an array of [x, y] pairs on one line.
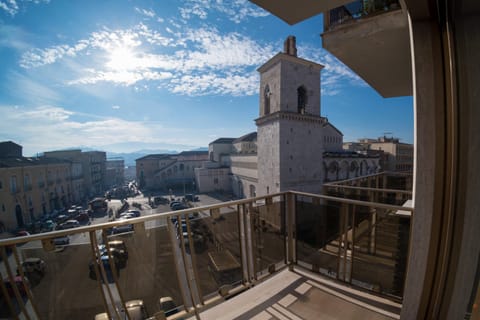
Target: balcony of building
{"points": [[372, 39], [289, 255]]}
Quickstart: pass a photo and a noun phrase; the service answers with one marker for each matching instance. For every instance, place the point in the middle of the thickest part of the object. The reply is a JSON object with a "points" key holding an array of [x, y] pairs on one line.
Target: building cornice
{"points": [[283, 115]]}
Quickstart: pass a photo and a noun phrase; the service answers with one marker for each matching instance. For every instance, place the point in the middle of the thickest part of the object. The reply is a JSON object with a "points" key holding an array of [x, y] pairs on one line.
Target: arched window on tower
{"points": [[267, 95], [301, 99]]}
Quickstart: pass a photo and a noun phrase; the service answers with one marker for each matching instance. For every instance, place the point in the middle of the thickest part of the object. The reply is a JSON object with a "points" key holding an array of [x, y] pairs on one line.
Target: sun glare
{"points": [[122, 58]]}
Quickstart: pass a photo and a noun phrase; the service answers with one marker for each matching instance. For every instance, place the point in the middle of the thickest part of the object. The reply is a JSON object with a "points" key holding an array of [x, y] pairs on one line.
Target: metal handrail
{"points": [[289, 197], [155, 216]]}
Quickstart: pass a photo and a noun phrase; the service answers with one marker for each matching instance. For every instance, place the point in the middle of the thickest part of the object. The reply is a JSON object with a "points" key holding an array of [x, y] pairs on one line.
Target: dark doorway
{"points": [[18, 213]]}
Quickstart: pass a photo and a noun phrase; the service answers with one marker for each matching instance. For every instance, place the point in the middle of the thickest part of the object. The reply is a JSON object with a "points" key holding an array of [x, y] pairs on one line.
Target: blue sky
{"points": [[122, 76]]}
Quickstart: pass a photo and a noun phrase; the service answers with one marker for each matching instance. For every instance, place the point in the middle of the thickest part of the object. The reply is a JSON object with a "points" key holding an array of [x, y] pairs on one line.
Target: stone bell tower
{"points": [[290, 139]]}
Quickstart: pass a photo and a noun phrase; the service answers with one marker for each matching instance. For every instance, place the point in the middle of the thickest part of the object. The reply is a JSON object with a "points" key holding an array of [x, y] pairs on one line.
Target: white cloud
{"points": [[200, 61], [12, 6], [126, 78], [211, 83], [115, 107], [207, 62], [148, 13], [52, 127], [235, 10]]}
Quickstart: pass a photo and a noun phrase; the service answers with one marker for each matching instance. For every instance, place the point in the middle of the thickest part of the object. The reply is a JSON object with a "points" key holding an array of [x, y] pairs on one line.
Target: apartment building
{"points": [[395, 156], [93, 170], [165, 171], [114, 172], [32, 186]]}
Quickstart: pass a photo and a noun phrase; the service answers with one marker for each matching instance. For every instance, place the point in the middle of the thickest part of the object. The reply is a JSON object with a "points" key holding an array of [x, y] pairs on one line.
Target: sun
{"points": [[122, 58]]}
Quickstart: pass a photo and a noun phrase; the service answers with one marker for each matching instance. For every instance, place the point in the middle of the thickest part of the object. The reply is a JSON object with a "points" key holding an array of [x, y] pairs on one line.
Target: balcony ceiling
{"points": [[377, 49], [295, 11]]}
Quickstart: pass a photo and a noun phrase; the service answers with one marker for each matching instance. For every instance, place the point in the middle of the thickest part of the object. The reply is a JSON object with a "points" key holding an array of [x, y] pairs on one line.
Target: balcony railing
{"points": [[215, 252], [357, 10], [385, 187]]}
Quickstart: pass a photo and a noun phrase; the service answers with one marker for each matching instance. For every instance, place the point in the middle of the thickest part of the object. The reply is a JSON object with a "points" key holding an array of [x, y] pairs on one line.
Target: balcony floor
{"points": [[302, 295]]}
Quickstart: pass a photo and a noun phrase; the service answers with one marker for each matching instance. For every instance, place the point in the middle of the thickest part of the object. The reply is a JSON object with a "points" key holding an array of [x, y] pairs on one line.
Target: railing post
{"points": [[290, 227], [243, 243], [249, 240]]}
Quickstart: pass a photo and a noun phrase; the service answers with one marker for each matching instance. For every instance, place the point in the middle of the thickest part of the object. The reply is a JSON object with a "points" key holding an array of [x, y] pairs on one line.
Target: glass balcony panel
{"points": [[216, 248], [58, 279], [268, 235], [317, 230], [380, 250], [146, 265]]}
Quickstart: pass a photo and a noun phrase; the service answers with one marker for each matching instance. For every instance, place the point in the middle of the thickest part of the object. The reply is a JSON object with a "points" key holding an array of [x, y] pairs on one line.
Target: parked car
{"points": [[135, 308], [122, 229], [179, 206], [183, 230], [68, 225], [119, 256], [119, 245], [191, 197], [22, 233], [126, 215], [82, 217], [61, 218], [48, 225], [168, 306], [160, 200], [135, 213], [63, 240], [106, 265], [31, 265], [173, 203], [20, 284]]}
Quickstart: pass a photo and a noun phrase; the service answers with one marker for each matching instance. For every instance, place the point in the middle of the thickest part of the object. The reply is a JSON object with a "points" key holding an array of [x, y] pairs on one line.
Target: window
{"points": [[215, 180], [301, 99], [13, 184], [1, 185], [26, 180], [267, 95]]}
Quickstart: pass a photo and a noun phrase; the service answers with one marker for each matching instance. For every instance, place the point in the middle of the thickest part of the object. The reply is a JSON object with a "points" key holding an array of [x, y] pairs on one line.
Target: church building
{"points": [[294, 147]]}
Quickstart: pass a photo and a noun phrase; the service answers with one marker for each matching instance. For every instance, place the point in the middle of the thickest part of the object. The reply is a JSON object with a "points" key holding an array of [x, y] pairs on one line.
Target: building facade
{"points": [[115, 172], [394, 155], [169, 171], [93, 164], [32, 187]]}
